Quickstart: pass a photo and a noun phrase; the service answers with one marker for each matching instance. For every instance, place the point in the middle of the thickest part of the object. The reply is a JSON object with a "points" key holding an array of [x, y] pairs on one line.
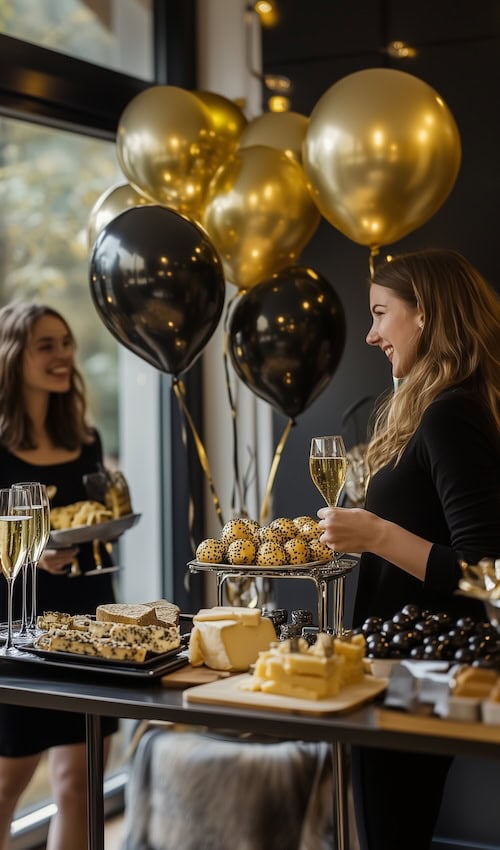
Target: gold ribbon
{"points": [[265, 507], [374, 252], [180, 391], [236, 469]]}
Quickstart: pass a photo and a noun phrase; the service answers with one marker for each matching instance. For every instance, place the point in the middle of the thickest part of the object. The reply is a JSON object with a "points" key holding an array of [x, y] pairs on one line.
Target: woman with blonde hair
{"points": [[44, 436], [434, 493]]}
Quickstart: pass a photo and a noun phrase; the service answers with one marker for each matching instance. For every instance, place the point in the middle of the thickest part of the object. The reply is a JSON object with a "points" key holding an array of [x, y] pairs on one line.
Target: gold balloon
{"points": [[282, 130], [111, 203], [259, 214], [382, 153], [165, 147], [227, 119]]}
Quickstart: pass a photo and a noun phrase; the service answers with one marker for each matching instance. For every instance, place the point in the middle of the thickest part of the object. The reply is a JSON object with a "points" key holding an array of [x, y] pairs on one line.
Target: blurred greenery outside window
{"points": [[116, 34]]}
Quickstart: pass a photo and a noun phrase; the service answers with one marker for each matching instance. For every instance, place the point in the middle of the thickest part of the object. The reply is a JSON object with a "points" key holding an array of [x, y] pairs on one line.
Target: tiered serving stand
{"points": [[321, 573]]}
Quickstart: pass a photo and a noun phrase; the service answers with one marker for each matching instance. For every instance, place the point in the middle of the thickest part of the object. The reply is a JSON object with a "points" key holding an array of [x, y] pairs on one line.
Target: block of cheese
{"points": [[293, 668], [167, 613], [119, 612], [154, 638], [229, 638]]}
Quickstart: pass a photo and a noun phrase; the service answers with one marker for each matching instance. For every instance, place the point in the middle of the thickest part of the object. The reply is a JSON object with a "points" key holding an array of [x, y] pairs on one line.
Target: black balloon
{"points": [[157, 283], [286, 338]]}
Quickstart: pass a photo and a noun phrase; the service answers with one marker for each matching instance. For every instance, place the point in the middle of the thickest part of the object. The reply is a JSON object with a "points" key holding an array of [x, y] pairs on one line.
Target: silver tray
{"points": [[105, 532], [152, 668], [313, 569]]}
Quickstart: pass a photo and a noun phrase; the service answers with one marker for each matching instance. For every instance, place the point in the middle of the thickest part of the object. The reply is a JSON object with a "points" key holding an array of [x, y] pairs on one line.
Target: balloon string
{"points": [[374, 252], [264, 511], [180, 390], [191, 512], [236, 468]]}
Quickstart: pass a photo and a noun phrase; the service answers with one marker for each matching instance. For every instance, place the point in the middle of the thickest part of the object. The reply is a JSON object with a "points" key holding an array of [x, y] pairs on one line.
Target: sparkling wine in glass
{"points": [[39, 535], [15, 529], [328, 467]]}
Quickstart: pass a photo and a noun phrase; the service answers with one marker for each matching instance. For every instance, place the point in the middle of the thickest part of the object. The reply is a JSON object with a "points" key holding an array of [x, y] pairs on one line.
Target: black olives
{"points": [[416, 633]]}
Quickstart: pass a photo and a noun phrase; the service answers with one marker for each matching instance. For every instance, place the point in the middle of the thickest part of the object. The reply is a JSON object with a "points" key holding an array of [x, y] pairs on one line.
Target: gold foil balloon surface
{"points": [[110, 204], [227, 120], [259, 214], [165, 147], [382, 153], [282, 130]]}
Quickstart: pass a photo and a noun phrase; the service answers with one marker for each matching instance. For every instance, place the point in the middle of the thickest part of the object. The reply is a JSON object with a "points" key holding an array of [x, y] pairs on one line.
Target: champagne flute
{"points": [[328, 467], [15, 522], [40, 530]]}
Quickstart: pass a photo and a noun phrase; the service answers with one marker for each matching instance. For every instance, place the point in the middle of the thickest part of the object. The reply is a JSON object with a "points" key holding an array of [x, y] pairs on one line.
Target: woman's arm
{"points": [[357, 530]]}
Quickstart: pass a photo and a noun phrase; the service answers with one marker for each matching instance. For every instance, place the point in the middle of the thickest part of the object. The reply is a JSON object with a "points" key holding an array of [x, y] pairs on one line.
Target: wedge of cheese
{"points": [[225, 638]]}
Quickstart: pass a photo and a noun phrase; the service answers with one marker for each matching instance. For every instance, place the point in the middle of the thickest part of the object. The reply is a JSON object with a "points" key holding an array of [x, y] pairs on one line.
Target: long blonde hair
{"points": [[460, 341]]}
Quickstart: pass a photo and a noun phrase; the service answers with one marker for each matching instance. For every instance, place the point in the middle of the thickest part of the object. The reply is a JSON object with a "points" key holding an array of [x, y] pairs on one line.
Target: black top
{"points": [[59, 592], [24, 731], [446, 489]]}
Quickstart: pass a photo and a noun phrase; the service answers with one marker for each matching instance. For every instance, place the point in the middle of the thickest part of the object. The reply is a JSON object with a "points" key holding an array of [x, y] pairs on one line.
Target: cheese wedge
{"points": [[229, 638]]}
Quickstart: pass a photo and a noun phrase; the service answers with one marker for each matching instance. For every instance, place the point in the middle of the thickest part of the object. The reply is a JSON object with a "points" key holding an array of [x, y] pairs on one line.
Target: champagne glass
{"points": [[40, 530], [15, 524], [328, 467]]}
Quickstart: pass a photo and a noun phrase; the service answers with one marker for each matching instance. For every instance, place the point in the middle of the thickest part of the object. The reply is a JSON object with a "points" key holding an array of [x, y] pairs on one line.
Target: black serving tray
{"points": [[152, 668]]}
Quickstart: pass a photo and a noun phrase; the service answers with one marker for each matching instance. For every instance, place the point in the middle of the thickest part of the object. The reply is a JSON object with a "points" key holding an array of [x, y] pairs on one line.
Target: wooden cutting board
{"points": [[401, 721], [228, 692], [187, 676]]}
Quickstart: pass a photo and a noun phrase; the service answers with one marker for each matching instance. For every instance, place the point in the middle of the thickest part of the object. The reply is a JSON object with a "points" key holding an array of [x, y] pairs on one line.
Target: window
{"points": [[116, 34]]}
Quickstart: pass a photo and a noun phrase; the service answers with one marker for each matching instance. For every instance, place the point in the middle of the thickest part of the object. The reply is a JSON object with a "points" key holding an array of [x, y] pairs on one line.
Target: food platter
{"points": [[152, 668], [106, 532], [321, 569]]}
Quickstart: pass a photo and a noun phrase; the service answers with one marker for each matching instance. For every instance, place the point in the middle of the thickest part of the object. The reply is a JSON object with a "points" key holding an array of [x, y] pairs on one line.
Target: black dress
{"points": [[446, 489], [25, 731]]}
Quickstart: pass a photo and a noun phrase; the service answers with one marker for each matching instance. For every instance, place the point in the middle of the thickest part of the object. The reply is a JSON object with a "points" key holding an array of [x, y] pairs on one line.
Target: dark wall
{"points": [[458, 43]]}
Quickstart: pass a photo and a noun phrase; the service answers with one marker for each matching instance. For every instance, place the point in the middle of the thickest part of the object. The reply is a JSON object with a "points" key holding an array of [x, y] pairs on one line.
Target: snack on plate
{"points": [[293, 668], [284, 542], [108, 638], [79, 514], [117, 495], [225, 638], [159, 613], [474, 682]]}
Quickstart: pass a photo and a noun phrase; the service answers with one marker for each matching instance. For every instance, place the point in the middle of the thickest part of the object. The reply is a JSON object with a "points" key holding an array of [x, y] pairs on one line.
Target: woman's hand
{"points": [[349, 529], [57, 561], [356, 530]]}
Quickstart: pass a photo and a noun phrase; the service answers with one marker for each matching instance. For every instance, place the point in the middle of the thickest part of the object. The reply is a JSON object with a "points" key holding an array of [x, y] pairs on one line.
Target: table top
{"points": [[89, 694]]}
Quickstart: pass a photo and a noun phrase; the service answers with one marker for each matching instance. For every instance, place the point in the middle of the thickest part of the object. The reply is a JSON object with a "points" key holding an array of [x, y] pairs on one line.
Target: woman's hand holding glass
{"points": [[15, 538]]}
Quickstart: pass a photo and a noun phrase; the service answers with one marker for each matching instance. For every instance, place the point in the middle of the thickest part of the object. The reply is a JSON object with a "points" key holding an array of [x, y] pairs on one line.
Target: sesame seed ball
{"points": [[241, 552], [299, 521], [310, 530], [235, 529], [270, 555], [320, 551], [210, 551], [254, 527], [267, 534], [297, 550], [284, 526]]}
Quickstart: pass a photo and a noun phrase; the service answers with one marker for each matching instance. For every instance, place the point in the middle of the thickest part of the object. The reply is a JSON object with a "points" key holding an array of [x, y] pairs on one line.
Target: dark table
{"points": [[96, 697]]}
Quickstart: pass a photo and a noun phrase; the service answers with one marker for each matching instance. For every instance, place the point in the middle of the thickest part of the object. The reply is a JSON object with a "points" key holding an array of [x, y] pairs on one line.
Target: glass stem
{"points": [[23, 631], [8, 642], [32, 622]]}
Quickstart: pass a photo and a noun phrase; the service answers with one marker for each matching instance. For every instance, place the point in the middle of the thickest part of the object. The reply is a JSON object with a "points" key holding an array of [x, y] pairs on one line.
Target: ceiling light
{"points": [[278, 103], [400, 50]]}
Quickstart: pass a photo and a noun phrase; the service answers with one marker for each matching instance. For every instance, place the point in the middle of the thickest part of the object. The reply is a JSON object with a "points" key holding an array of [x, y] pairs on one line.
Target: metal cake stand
{"points": [[321, 573]]}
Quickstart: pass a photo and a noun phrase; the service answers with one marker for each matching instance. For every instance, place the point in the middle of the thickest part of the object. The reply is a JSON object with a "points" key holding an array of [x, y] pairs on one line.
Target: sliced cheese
{"points": [[229, 644], [249, 616]]}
